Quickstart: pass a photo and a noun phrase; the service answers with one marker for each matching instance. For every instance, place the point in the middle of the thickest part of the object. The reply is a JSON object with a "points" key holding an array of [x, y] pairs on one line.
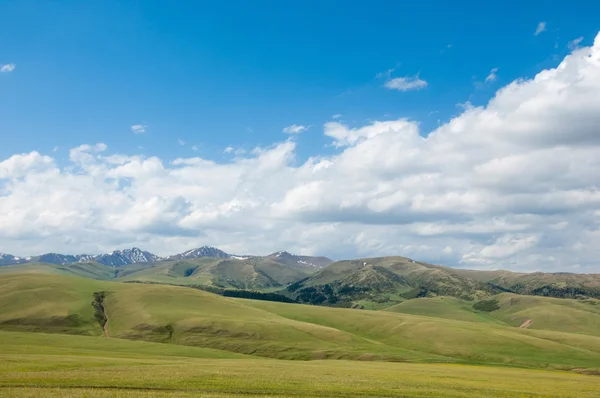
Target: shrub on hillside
{"points": [[486, 305]]}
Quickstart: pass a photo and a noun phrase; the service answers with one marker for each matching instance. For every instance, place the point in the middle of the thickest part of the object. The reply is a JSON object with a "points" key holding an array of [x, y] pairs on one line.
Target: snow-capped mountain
{"points": [[204, 251], [8, 259], [118, 258], [60, 259], [293, 260]]}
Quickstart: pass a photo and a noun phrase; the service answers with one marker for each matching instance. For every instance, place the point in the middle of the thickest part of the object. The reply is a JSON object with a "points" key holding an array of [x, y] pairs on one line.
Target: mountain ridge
{"points": [[119, 258]]}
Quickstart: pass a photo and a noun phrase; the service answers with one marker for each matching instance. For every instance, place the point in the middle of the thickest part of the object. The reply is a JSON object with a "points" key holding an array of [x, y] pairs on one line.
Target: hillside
{"points": [[561, 284], [544, 313], [252, 273], [385, 281], [179, 315]]}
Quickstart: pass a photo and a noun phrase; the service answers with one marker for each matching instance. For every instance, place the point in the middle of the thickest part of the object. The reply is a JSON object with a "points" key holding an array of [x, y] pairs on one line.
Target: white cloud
{"points": [[337, 116], [574, 44], [181, 142], [541, 27], [406, 83], [512, 184], [7, 67], [139, 128], [295, 129], [20, 165], [492, 76], [234, 151]]}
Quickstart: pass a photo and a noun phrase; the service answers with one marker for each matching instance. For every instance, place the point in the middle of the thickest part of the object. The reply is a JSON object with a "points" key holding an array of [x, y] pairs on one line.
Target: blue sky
{"points": [[457, 134], [215, 74]]}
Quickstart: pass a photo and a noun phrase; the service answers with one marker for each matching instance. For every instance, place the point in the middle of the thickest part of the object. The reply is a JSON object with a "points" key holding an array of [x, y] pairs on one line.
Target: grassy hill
{"points": [[35, 364], [253, 273], [184, 316], [544, 313], [385, 281], [382, 282], [92, 270], [562, 284]]}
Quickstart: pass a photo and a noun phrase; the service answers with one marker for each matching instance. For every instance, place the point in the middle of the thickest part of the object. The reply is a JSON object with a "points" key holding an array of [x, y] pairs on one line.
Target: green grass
{"points": [[48, 303], [443, 307], [545, 313], [90, 270], [75, 366]]}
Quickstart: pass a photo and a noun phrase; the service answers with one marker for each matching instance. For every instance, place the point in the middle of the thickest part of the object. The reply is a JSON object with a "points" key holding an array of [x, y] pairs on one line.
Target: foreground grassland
{"points": [[37, 364]]}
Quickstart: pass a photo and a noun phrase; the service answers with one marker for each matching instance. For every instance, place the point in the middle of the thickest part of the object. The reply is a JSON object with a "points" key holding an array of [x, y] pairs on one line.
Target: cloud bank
{"points": [[513, 184]]}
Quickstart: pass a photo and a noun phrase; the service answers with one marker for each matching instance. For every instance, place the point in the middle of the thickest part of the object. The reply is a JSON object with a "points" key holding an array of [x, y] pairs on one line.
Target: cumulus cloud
{"points": [[20, 165], [295, 129], [509, 184], [7, 68], [406, 83], [492, 76], [139, 128], [541, 27]]}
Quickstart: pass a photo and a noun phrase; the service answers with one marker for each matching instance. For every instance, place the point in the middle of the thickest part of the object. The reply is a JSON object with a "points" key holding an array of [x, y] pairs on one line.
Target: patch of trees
{"points": [[329, 295], [98, 305], [297, 285], [486, 305], [247, 294], [565, 292], [189, 271]]}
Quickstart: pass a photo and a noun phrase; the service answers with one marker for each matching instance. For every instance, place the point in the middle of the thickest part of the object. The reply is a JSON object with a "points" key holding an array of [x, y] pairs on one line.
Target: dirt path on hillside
{"points": [[526, 324], [105, 327]]}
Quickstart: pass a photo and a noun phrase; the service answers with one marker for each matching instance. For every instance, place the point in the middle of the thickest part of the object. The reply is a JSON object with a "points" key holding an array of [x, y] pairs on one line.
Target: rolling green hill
{"points": [[184, 316], [532, 312], [561, 284], [385, 281], [253, 273], [92, 270]]}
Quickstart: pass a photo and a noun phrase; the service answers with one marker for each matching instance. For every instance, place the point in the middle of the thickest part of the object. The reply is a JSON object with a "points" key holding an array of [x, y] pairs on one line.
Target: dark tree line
{"points": [[98, 305]]}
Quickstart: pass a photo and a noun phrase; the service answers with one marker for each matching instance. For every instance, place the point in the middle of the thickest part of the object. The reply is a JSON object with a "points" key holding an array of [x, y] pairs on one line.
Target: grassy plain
{"points": [[36, 364]]}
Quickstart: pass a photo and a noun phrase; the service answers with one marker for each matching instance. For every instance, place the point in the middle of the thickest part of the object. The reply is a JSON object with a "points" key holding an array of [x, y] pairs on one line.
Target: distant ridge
{"points": [[299, 261], [120, 258]]}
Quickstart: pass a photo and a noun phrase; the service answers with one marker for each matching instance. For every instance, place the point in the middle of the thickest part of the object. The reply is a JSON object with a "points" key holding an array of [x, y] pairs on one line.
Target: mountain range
{"points": [[120, 258], [370, 283]]}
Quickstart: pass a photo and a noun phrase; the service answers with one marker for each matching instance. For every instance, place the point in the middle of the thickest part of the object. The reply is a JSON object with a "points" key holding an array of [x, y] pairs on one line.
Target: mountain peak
{"points": [[203, 251], [294, 260]]}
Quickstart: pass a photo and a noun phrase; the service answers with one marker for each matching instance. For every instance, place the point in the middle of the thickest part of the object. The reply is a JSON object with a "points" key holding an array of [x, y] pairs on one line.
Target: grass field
{"points": [[34, 364], [170, 340]]}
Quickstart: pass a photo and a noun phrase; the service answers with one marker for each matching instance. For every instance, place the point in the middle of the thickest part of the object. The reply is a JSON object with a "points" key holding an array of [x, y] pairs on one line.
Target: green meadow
{"points": [[171, 341]]}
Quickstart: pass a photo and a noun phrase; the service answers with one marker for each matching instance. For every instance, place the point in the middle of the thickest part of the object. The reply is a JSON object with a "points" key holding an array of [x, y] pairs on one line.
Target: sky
{"points": [[461, 135]]}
